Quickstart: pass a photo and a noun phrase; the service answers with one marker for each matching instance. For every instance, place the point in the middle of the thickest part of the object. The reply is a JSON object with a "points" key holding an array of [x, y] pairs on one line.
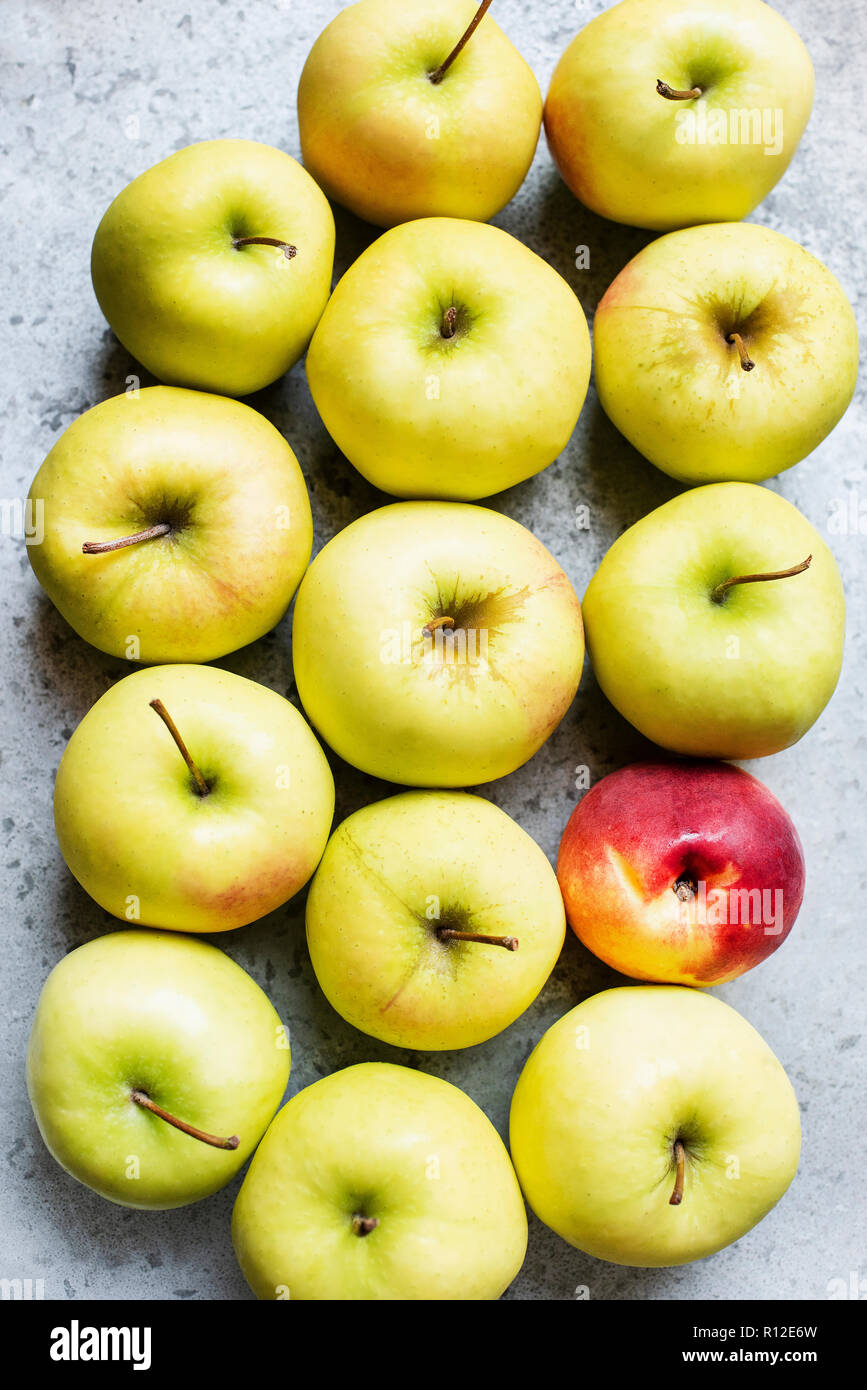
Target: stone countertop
{"points": [[93, 93]]}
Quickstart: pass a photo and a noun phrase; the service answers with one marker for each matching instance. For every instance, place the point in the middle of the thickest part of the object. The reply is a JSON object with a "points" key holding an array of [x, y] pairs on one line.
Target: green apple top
{"points": [[451, 361], [380, 1182], [725, 352], [433, 920], [192, 798], [668, 113], [176, 525], [436, 644], [653, 1126], [406, 109], [213, 267], [154, 1066], [715, 624]]}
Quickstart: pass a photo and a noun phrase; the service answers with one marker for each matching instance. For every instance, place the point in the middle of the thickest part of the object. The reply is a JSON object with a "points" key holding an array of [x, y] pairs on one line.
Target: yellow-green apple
{"points": [[406, 111], [725, 352], [154, 1067], [450, 361], [433, 920], [177, 525], [653, 1126], [380, 1183], [684, 872], [436, 644], [192, 798], [715, 624], [665, 113], [213, 267]]}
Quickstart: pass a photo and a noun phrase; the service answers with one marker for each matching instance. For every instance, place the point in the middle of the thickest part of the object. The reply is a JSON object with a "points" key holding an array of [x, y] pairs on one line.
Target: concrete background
{"points": [[93, 93]]}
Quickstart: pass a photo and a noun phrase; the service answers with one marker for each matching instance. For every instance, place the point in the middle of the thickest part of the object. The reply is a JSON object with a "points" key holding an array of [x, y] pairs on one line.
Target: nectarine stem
{"points": [[288, 250], [746, 361], [677, 1195], [449, 320], [436, 623], [172, 727], [672, 93], [439, 73], [213, 1139], [720, 591], [162, 528], [449, 934], [363, 1225]]}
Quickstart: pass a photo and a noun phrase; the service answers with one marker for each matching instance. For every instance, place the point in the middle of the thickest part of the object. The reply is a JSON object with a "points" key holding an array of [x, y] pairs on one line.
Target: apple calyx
{"points": [[162, 528], [363, 1225], [201, 785], [680, 1159], [746, 361], [673, 94], [144, 1100], [685, 888], [439, 73], [288, 249], [436, 623], [722, 589], [451, 934], [449, 323]]}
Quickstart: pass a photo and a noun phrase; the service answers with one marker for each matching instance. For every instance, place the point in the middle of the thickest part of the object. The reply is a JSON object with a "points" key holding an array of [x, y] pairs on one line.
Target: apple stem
{"points": [[162, 528], [720, 591], [288, 250], [673, 94], [439, 73], [213, 1139], [449, 934], [172, 727], [436, 623], [746, 361], [680, 1155], [363, 1225], [449, 320]]}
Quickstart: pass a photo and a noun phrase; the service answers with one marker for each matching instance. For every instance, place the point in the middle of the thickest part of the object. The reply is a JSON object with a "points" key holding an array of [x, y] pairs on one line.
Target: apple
{"points": [[433, 920], [154, 1067], [653, 1126], [213, 267], [380, 1183], [725, 353], [690, 873], [665, 113], [192, 798], [689, 645], [436, 644], [405, 110], [177, 525], [450, 361]]}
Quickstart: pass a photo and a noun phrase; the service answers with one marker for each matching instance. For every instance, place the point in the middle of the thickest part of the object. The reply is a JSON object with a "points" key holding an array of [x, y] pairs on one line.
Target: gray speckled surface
{"points": [[94, 92]]}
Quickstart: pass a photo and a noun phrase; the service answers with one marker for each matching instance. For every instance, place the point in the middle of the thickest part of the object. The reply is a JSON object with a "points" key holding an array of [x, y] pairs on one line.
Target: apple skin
{"points": [[192, 307], [171, 1016], [391, 1144], [737, 679], [608, 1090], [395, 705], [618, 143], [389, 144], [395, 871], [420, 414], [232, 489], [640, 830], [139, 838], [674, 386]]}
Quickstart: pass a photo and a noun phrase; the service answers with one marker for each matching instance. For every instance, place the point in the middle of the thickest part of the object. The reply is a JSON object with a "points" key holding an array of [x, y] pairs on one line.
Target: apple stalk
{"points": [[201, 785], [162, 528], [451, 934], [675, 94], [746, 361], [722, 589], [363, 1225], [439, 73], [680, 1158], [214, 1140], [289, 251]]}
